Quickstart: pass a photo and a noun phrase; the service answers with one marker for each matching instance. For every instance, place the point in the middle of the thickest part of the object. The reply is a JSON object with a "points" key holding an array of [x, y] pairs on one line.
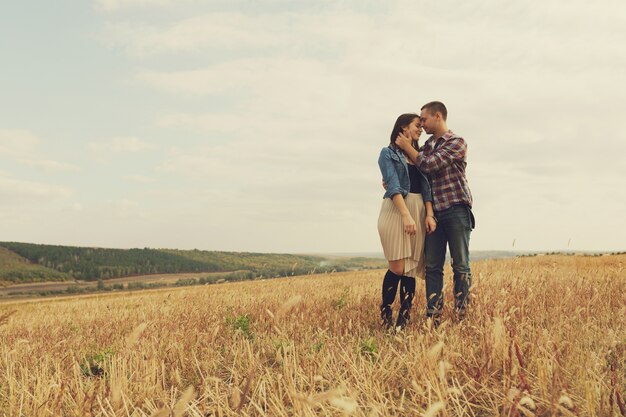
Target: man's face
{"points": [[428, 120]]}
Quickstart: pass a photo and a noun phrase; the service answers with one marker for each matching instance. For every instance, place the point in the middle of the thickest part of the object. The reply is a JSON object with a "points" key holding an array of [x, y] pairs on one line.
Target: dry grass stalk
{"points": [[134, 336], [288, 305], [182, 404], [435, 409]]}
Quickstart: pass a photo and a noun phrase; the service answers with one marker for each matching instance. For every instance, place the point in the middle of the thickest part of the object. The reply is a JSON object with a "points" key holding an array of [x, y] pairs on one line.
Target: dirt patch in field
{"points": [[32, 289]]}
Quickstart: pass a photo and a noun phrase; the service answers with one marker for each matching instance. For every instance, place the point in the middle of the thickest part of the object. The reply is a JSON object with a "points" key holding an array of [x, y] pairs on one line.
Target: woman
{"points": [[406, 215]]}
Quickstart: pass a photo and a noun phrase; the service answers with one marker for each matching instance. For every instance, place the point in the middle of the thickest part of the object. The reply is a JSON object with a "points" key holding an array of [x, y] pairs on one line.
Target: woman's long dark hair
{"points": [[401, 122]]}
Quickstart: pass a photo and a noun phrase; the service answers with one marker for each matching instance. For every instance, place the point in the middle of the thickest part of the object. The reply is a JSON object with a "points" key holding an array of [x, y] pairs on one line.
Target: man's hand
{"points": [[431, 224], [384, 184], [403, 142]]}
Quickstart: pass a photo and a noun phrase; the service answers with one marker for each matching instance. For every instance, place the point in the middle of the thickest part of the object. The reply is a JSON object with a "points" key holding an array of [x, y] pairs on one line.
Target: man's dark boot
{"points": [[434, 313], [390, 287], [407, 292]]}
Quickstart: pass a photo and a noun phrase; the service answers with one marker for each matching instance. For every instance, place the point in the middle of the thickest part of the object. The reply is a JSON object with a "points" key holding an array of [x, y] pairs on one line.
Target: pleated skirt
{"points": [[396, 243]]}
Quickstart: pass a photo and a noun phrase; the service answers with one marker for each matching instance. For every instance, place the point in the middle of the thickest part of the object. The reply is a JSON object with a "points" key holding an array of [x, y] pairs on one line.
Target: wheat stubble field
{"points": [[545, 336]]}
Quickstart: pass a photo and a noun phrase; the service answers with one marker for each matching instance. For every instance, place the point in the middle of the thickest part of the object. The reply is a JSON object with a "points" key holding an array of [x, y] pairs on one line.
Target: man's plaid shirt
{"points": [[444, 160]]}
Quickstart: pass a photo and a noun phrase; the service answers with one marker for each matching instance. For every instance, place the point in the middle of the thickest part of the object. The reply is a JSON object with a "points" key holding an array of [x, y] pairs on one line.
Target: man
{"points": [[443, 158]]}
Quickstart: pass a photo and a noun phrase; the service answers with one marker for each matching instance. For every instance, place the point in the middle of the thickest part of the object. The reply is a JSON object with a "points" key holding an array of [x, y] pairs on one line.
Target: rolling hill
{"points": [[14, 268], [28, 262]]}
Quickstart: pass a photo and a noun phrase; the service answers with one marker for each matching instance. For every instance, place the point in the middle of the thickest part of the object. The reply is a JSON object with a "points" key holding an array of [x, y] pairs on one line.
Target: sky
{"points": [[244, 125]]}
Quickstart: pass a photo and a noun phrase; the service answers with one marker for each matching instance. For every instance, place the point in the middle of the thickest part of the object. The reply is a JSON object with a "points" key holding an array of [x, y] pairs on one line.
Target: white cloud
{"points": [[124, 208], [16, 142], [218, 30], [487, 36], [117, 5], [121, 145], [302, 84], [16, 191], [142, 179], [24, 147], [49, 165]]}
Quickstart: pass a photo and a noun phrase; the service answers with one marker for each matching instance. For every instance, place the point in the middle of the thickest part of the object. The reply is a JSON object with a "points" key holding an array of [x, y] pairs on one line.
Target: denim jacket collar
{"points": [[398, 152]]}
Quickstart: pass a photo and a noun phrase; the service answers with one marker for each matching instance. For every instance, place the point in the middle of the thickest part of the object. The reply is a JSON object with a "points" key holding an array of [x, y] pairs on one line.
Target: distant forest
{"points": [[27, 262]]}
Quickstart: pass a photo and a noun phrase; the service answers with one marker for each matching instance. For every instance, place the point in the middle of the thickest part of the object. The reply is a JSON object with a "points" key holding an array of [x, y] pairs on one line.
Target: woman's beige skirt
{"points": [[396, 243]]}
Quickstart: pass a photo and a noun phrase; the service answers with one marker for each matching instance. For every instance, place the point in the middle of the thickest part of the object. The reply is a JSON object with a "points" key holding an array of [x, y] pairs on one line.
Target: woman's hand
{"points": [[409, 224], [431, 224]]}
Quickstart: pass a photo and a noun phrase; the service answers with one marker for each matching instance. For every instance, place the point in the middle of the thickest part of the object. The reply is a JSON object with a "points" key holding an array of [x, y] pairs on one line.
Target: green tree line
{"points": [[91, 264]]}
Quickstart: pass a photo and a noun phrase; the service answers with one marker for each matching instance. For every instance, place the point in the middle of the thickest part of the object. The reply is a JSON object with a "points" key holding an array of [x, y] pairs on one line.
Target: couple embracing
{"points": [[426, 208]]}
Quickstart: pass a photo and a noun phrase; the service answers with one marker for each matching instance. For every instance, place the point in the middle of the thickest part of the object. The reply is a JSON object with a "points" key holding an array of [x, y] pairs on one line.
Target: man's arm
{"points": [[451, 150], [431, 220]]}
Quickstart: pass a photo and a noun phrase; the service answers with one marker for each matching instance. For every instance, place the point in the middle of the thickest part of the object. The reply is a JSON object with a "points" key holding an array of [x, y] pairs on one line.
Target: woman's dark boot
{"points": [[390, 287], [407, 292]]}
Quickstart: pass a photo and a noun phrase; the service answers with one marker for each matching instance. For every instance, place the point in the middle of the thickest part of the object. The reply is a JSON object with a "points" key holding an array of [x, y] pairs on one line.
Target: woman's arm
{"points": [[390, 177], [409, 224], [391, 182]]}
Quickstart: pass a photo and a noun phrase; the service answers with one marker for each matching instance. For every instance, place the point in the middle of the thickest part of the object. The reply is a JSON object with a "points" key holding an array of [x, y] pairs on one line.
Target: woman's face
{"points": [[414, 129]]}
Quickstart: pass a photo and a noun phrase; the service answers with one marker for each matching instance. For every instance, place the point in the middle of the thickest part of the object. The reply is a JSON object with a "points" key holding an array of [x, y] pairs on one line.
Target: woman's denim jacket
{"points": [[395, 172]]}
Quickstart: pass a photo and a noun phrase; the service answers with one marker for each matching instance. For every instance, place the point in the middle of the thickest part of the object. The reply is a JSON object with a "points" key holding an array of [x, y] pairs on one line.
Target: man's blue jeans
{"points": [[454, 226]]}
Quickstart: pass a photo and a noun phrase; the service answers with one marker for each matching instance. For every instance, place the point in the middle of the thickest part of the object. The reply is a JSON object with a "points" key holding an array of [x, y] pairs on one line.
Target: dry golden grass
{"points": [[545, 336]]}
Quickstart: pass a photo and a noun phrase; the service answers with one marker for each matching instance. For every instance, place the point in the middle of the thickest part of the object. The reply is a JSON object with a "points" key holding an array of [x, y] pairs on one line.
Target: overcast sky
{"points": [[256, 125]]}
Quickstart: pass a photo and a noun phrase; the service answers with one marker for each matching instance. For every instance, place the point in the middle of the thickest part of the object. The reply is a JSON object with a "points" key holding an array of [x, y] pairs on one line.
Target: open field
{"points": [[545, 336]]}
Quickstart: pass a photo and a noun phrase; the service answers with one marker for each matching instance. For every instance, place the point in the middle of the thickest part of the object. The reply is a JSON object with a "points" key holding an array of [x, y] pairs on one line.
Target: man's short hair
{"points": [[436, 106]]}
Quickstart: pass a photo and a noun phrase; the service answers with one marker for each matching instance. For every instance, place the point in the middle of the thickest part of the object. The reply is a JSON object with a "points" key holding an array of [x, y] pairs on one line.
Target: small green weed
{"points": [[95, 364], [317, 347], [369, 347], [343, 299], [241, 323], [283, 345]]}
